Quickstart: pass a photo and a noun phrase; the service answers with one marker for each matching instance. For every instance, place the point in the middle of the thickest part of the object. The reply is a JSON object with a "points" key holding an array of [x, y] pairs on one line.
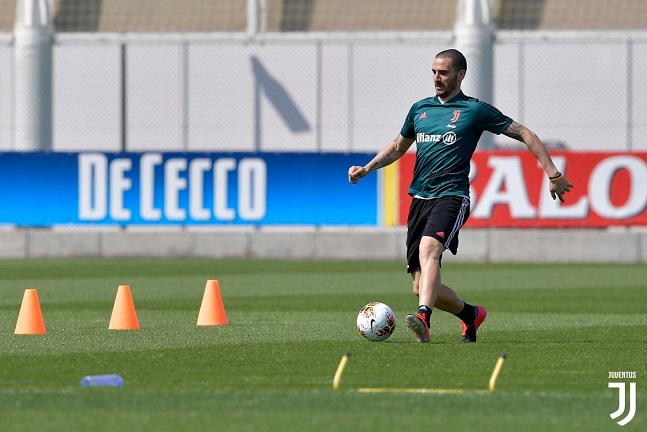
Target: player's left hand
{"points": [[559, 187]]}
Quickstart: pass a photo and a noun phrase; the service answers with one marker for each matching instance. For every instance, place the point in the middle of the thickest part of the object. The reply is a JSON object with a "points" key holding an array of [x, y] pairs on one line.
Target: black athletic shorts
{"points": [[440, 218]]}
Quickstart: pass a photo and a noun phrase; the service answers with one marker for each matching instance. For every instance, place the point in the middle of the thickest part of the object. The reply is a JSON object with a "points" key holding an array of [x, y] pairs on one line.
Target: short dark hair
{"points": [[458, 59]]}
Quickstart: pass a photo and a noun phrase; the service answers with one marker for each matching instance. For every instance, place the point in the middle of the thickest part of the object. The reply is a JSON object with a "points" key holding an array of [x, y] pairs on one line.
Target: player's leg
{"points": [[444, 216], [471, 316], [447, 300], [418, 211], [430, 252], [427, 285], [418, 323], [415, 278], [444, 221]]}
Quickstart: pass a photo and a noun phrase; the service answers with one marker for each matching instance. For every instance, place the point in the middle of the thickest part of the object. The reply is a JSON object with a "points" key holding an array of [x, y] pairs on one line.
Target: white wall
{"points": [[6, 96], [86, 97], [343, 94], [154, 94]]}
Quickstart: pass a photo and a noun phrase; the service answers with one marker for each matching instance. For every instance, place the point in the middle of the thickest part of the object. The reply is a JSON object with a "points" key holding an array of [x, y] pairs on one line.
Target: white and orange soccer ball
{"points": [[376, 321]]}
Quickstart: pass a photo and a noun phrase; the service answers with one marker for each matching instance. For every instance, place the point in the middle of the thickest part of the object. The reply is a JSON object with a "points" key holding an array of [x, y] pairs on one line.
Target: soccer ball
{"points": [[376, 321]]}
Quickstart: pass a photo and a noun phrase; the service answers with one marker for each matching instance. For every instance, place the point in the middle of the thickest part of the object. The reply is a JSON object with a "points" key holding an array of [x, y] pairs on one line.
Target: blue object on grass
{"points": [[110, 380]]}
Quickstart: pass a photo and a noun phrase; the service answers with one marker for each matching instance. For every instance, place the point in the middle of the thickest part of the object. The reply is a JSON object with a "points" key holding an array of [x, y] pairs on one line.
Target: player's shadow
{"points": [[280, 99]]}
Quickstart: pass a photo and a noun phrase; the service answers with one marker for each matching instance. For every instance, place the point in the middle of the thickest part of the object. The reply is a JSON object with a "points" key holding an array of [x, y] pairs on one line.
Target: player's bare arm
{"points": [[389, 154], [559, 185]]}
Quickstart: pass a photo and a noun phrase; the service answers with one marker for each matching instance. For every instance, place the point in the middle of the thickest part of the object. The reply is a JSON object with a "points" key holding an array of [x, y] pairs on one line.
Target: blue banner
{"points": [[43, 189]]}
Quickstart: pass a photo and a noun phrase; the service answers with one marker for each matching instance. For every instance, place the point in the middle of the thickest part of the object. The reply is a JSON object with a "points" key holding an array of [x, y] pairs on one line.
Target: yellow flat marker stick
{"points": [[419, 390], [340, 371], [495, 372]]}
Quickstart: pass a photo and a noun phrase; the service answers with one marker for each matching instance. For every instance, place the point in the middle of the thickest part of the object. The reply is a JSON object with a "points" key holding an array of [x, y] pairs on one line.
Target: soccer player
{"points": [[446, 129]]}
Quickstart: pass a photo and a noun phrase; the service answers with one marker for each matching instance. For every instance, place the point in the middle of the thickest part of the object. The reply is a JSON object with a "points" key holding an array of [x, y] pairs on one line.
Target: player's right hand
{"points": [[355, 173]]}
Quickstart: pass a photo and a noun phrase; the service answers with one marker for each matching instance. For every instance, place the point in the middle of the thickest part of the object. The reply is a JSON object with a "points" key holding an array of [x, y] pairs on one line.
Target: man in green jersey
{"points": [[446, 129]]}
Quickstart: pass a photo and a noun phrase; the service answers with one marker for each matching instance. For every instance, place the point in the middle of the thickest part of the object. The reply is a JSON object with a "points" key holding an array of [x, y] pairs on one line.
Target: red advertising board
{"points": [[509, 189]]}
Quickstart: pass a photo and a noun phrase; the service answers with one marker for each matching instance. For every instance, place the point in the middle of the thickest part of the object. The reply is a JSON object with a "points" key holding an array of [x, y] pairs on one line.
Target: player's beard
{"points": [[447, 88]]}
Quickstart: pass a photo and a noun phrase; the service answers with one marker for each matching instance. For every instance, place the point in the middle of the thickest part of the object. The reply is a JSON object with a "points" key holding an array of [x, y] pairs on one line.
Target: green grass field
{"points": [[563, 328]]}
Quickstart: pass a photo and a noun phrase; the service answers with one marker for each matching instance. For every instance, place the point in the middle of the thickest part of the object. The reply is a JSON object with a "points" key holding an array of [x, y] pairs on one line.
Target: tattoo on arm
{"points": [[389, 154], [385, 160], [514, 130]]}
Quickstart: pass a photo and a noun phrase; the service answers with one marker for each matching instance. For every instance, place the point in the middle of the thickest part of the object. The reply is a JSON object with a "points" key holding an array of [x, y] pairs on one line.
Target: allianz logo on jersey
{"points": [[447, 138]]}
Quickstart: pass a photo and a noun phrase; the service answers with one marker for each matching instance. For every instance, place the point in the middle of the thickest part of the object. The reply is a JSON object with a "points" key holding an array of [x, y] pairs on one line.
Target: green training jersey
{"points": [[446, 135]]}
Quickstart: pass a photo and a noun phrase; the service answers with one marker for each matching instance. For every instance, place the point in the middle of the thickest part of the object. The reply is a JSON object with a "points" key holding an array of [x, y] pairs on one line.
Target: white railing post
{"points": [[255, 17], [474, 38], [33, 76]]}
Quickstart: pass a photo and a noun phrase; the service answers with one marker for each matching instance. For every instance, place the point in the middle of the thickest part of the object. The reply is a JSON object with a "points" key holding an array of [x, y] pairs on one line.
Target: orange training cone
{"points": [[212, 310], [124, 316], [30, 318]]}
